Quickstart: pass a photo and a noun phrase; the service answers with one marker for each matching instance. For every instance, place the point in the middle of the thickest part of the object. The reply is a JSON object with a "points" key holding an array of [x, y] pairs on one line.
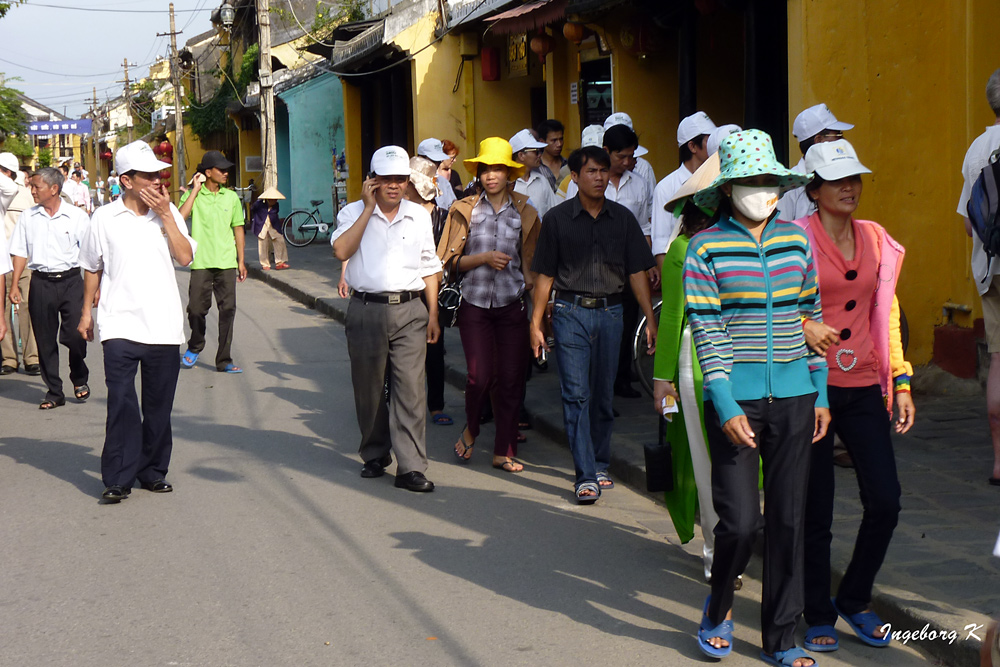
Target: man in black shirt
{"points": [[587, 248]]}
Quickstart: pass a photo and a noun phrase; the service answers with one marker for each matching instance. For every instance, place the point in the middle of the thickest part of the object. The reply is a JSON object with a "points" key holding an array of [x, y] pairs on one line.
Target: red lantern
{"points": [[541, 45], [165, 175], [166, 148], [574, 32]]}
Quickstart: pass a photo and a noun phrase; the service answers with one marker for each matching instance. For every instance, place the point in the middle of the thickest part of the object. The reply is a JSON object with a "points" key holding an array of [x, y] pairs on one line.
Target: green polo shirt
{"points": [[213, 217]]}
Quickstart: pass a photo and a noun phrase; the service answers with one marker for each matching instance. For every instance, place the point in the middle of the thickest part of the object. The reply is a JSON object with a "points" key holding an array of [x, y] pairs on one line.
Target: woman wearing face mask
{"points": [[858, 266], [489, 239], [749, 281]]}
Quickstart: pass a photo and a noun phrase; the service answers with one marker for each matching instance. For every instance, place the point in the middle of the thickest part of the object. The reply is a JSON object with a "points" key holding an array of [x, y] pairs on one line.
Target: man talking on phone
{"points": [[216, 214], [126, 254], [393, 262]]}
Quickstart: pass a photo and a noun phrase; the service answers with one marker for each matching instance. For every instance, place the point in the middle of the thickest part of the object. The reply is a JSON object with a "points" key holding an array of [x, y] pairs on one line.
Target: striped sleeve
{"points": [[811, 307], [712, 341]]}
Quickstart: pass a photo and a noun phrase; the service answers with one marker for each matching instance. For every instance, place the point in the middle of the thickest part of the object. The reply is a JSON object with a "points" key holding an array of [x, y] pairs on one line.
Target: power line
{"points": [[108, 10], [82, 76]]}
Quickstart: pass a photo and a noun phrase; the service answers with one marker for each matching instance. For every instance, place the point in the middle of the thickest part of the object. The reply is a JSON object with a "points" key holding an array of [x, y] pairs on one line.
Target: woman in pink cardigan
{"points": [[858, 266]]}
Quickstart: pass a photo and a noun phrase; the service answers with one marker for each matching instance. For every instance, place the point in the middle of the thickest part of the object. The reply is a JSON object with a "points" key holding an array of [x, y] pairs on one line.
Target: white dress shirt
{"points": [[394, 255], [8, 190], [140, 301], [644, 169], [795, 203], [665, 225], [50, 244], [633, 193], [536, 187], [5, 265]]}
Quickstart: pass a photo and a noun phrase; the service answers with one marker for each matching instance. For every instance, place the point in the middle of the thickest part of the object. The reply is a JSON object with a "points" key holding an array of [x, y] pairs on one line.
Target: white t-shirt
{"points": [[664, 225], [50, 244], [795, 203], [139, 297], [538, 191], [633, 193], [644, 169], [975, 159], [394, 255], [5, 265]]}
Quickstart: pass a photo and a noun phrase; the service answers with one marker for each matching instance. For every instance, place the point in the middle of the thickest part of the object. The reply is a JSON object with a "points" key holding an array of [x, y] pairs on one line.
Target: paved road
{"points": [[273, 551]]}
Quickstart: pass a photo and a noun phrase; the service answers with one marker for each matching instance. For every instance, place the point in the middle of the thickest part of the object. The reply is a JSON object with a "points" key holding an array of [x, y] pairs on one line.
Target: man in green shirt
{"points": [[216, 215]]}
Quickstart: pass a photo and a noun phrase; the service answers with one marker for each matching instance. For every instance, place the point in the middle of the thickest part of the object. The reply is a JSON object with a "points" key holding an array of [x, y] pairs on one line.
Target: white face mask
{"points": [[756, 203]]}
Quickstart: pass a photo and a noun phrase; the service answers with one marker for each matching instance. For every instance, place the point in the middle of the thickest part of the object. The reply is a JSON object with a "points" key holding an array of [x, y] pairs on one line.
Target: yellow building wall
{"points": [[352, 139], [917, 99]]}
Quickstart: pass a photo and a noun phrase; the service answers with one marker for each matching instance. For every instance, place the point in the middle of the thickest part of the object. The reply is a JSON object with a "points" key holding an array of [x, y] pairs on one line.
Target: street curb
{"points": [[631, 471]]}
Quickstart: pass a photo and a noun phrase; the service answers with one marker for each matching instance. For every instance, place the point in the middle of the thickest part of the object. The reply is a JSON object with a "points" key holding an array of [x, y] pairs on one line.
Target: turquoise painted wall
{"points": [[315, 133], [284, 158]]}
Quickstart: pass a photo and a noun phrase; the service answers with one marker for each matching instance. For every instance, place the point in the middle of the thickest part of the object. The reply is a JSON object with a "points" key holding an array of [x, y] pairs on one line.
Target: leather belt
{"points": [[587, 301], [57, 276], [390, 298]]}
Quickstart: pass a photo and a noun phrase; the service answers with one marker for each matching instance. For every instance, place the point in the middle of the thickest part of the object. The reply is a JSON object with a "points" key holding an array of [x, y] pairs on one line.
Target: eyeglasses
{"points": [[534, 151], [829, 135]]}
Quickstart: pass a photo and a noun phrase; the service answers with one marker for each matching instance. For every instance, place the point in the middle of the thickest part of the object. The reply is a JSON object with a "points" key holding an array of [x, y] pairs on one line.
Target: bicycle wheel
{"points": [[294, 232], [642, 362]]}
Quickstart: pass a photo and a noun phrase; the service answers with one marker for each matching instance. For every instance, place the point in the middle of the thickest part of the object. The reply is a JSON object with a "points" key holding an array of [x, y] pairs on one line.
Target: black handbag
{"points": [[659, 463], [449, 297]]}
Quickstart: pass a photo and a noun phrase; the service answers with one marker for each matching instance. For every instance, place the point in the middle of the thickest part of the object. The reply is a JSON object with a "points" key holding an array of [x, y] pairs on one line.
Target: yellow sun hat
{"points": [[495, 150]]}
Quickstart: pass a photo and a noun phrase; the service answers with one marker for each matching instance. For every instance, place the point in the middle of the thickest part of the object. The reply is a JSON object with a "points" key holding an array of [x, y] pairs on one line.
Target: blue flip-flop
{"points": [[588, 486], [189, 359], [787, 658], [822, 631], [231, 368], [864, 624], [723, 630], [607, 484], [441, 419]]}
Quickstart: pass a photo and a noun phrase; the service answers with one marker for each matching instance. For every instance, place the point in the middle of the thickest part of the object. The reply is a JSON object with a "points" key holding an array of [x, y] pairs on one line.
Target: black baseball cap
{"points": [[214, 160]]}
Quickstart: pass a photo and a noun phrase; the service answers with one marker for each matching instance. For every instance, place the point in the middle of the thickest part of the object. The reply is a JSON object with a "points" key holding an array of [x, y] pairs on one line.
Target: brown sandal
{"points": [[508, 464]]}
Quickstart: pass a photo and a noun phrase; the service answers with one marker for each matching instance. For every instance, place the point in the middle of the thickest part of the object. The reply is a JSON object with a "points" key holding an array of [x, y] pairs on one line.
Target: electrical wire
{"points": [[291, 10], [109, 10]]}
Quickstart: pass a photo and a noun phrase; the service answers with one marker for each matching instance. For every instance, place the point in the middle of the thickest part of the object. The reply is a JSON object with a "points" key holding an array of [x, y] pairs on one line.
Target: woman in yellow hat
{"points": [[266, 226], [489, 240]]}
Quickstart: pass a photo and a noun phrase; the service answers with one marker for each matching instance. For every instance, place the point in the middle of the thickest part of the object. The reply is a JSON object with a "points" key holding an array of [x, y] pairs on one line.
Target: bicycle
{"points": [[302, 225], [643, 363]]}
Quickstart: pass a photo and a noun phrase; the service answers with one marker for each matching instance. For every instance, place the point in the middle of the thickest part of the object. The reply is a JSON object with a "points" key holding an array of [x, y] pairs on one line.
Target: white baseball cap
{"points": [[622, 118], [524, 140], [391, 161], [592, 135], [138, 156], [9, 161], [694, 126], [715, 139], [432, 149], [814, 120], [834, 160]]}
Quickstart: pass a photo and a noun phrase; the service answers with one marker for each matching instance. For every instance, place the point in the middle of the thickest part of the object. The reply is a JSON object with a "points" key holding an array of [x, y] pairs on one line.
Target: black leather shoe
{"points": [[32, 369], [115, 494], [414, 481], [157, 486], [8, 370], [376, 467], [627, 391]]}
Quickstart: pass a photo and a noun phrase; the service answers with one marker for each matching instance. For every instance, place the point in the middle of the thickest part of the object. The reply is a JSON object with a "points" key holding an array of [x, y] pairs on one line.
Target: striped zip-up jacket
{"points": [[745, 301]]}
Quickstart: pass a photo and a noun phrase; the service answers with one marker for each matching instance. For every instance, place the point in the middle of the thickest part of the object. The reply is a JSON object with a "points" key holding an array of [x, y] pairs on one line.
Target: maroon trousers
{"points": [[494, 340]]}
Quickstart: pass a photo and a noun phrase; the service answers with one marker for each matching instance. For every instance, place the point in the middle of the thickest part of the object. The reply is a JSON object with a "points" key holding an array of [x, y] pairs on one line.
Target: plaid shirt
{"points": [[484, 286]]}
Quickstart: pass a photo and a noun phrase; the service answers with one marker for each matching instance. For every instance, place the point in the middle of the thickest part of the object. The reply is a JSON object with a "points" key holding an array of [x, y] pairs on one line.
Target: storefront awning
{"points": [[529, 16], [358, 48]]}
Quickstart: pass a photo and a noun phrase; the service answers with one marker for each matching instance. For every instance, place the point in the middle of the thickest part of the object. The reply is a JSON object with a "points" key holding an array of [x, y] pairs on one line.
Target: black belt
{"points": [[587, 301], [58, 276], [391, 298]]}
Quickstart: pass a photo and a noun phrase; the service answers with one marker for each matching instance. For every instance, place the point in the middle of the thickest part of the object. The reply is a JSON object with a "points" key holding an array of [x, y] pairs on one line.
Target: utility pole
{"points": [[128, 102], [175, 80], [268, 144], [93, 135]]}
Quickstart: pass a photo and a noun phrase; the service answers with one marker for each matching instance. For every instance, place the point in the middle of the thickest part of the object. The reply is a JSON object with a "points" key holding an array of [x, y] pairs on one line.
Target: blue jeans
{"points": [[587, 341]]}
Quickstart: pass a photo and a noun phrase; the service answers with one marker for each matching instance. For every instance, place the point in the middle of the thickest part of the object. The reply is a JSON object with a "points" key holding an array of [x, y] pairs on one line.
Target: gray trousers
{"points": [[390, 339]]}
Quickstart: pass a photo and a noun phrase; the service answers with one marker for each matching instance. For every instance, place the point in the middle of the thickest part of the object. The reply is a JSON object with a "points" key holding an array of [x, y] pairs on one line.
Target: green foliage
{"points": [[12, 116], [6, 6], [207, 119], [19, 146], [344, 12], [45, 157]]}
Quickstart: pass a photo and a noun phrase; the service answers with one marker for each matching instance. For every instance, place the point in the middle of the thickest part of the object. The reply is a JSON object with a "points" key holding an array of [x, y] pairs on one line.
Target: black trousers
{"points": [[862, 422], [138, 441], [434, 367], [784, 431], [55, 308], [205, 283], [630, 320]]}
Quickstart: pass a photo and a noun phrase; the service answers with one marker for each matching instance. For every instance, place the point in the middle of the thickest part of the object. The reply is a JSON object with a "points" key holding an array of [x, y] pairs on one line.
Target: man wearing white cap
{"points": [[433, 150], [22, 201], [692, 140], [9, 192], [815, 125], [390, 244], [128, 254], [528, 151], [642, 166]]}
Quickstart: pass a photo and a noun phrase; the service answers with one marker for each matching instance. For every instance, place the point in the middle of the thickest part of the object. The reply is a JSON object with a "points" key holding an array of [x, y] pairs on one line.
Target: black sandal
{"points": [[467, 454], [82, 392], [49, 404]]}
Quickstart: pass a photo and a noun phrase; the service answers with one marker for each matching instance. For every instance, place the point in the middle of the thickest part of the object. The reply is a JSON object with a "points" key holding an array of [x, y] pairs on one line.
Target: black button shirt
{"points": [[593, 256]]}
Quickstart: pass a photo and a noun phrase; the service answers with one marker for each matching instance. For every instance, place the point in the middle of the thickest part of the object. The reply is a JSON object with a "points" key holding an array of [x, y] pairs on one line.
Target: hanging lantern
{"points": [[574, 32], [541, 45], [165, 175], [166, 148]]}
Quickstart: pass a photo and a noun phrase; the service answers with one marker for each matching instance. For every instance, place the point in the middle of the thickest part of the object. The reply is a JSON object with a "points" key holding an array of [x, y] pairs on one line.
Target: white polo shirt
{"points": [[665, 225], [975, 160], [538, 191], [394, 255], [50, 244], [795, 203], [633, 193], [139, 297]]}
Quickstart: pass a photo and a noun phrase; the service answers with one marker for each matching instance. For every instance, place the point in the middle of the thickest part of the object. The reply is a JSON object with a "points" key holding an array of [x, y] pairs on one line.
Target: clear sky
{"points": [[78, 50]]}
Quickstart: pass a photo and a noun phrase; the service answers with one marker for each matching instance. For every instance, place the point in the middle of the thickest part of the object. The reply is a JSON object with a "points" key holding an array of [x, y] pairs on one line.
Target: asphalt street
{"points": [[273, 551]]}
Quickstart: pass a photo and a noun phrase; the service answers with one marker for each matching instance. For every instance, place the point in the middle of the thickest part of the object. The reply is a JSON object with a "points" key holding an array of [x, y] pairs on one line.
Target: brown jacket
{"points": [[456, 231]]}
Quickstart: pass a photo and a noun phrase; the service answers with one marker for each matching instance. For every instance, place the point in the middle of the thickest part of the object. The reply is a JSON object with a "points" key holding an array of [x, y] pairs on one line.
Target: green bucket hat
{"points": [[743, 154]]}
